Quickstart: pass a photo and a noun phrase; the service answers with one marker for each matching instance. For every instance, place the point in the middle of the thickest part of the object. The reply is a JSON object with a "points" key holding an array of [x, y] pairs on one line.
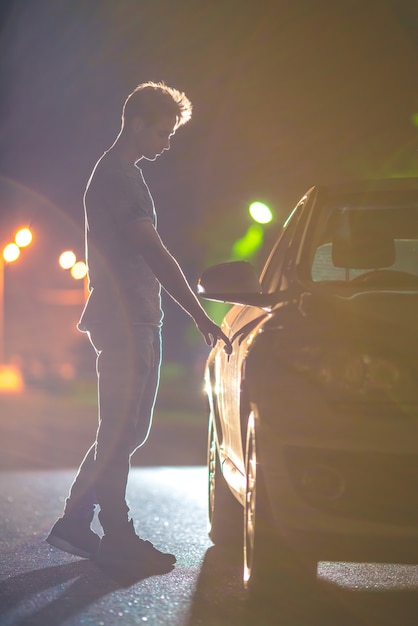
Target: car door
{"points": [[245, 321], [241, 324]]}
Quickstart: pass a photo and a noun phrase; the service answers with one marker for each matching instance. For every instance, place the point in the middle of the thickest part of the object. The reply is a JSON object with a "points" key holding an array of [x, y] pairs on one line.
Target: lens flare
{"points": [[245, 247]]}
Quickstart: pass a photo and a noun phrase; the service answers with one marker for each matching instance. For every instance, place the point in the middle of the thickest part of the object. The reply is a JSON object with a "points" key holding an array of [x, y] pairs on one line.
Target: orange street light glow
{"points": [[23, 237], [79, 270], [11, 380], [67, 259], [11, 252]]}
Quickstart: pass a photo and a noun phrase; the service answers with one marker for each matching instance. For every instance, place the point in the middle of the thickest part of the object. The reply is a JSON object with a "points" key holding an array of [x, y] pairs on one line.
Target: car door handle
{"points": [[245, 330]]}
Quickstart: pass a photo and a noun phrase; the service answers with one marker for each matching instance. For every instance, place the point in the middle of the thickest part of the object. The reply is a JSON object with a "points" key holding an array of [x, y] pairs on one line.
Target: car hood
{"points": [[358, 347]]}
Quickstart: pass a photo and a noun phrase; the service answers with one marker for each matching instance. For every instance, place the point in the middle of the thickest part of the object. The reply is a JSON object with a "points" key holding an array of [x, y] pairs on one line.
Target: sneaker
{"points": [[124, 550], [74, 536]]}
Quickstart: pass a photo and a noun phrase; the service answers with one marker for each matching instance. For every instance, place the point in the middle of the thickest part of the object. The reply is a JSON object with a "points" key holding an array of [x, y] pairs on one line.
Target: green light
{"points": [[260, 212], [249, 244], [415, 119]]}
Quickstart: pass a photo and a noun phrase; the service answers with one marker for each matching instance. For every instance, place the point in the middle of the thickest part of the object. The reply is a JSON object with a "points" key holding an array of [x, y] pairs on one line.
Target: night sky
{"points": [[286, 94]]}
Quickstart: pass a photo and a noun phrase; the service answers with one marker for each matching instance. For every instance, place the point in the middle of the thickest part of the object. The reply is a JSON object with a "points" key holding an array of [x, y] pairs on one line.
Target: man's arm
{"points": [[170, 275]]}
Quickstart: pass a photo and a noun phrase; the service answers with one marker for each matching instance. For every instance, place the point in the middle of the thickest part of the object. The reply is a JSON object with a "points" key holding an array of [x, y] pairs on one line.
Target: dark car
{"points": [[313, 430]]}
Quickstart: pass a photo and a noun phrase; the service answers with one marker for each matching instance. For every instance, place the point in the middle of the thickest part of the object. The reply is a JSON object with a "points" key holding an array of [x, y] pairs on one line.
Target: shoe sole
{"points": [[65, 546]]}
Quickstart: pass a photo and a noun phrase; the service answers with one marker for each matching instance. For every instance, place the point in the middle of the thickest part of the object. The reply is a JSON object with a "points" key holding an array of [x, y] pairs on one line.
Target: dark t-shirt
{"points": [[123, 289]]}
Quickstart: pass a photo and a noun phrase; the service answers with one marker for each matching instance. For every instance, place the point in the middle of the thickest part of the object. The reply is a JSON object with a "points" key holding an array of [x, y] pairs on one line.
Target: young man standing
{"points": [[127, 263]]}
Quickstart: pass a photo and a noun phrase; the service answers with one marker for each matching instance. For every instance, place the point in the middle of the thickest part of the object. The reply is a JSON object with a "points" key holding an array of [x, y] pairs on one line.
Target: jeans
{"points": [[128, 371]]}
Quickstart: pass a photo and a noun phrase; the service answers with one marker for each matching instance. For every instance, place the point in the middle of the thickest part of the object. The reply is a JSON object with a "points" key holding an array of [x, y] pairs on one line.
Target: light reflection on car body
{"points": [[325, 366]]}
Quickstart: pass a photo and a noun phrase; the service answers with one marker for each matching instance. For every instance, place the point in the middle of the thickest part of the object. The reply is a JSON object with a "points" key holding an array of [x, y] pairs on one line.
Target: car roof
{"points": [[359, 186]]}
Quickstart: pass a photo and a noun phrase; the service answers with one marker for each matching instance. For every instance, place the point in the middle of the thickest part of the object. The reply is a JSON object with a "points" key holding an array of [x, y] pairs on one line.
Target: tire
{"points": [[257, 533], [224, 511], [268, 559]]}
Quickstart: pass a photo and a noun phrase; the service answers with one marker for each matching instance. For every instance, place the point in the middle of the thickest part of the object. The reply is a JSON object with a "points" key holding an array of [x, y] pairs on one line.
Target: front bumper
{"points": [[347, 482]]}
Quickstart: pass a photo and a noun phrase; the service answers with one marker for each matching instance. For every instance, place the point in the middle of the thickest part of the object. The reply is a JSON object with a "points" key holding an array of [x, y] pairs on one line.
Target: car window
{"points": [[273, 277], [352, 238], [323, 268]]}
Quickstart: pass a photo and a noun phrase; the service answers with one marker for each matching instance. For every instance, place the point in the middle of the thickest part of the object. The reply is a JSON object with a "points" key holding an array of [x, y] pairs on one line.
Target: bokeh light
{"points": [[23, 237], [260, 212], [11, 380], [79, 270], [11, 252], [67, 259]]}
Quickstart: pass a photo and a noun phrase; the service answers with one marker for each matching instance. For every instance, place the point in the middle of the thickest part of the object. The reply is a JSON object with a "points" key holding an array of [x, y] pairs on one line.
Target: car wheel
{"points": [[267, 558], [255, 537], [225, 512]]}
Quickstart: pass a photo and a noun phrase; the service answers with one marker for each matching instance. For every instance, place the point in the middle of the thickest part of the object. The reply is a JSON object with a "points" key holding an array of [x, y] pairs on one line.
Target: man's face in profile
{"points": [[153, 139]]}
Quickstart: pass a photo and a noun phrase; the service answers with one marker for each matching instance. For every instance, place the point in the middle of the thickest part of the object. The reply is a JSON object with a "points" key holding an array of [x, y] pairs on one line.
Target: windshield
{"points": [[370, 238]]}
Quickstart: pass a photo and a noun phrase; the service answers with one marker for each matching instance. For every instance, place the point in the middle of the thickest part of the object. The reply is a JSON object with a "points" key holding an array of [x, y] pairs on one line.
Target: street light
{"points": [[68, 261], [78, 269], [11, 252], [10, 378], [23, 237]]}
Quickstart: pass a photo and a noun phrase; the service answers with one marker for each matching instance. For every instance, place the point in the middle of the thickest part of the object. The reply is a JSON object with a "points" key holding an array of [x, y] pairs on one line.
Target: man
{"points": [[127, 263]]}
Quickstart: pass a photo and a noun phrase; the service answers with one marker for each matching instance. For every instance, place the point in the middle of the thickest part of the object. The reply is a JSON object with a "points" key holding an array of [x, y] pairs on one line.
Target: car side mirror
{"points": [[235, 282]]}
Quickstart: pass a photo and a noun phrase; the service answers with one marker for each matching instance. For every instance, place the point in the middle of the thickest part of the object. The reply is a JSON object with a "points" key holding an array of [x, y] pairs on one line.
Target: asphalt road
{"points": [[41, 586], [53, 431]]}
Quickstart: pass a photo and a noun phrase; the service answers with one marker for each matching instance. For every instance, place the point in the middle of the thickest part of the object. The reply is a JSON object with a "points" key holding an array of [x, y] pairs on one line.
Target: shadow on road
{"points": [[219, 599], [81, 582]]}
